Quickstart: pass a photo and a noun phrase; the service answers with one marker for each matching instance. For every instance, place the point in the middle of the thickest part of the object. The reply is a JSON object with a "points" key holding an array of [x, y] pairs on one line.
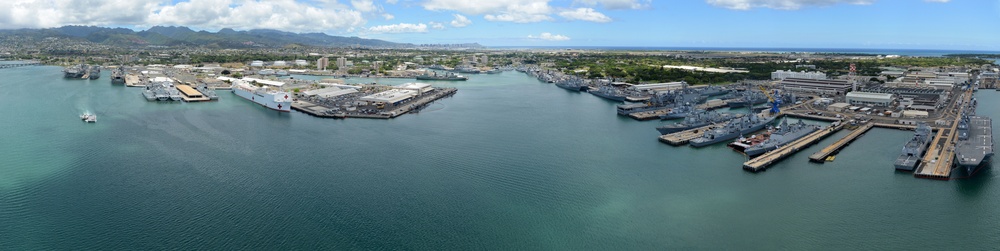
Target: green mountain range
{"points": [[184, 36]]}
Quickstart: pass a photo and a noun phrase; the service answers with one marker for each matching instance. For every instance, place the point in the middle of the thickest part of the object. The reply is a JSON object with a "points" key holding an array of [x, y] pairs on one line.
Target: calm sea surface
{"points": [[508, 163]]}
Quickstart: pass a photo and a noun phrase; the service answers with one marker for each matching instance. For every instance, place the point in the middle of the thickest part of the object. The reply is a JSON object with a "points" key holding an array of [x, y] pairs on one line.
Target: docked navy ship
{"points": [[784, 134], [697, 119], [677, 112], [713, 91], [975, 144], [914, 149], [208, 92], [749, 99], [118, 76], [76, 71], [736, 127], [466, 69], [94, 72], [573, 84], [609, 92], [441, 77]]}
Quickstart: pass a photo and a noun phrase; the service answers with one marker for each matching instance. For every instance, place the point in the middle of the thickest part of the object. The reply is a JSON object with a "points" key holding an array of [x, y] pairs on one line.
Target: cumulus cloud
{"points": [[519, 11], [616, 4], [388, 16], [391, 1], [585, 14], [399, 28], [460, 21], [364, 5], [781, 4], [289, 15], [549, 37], [436, 25]]}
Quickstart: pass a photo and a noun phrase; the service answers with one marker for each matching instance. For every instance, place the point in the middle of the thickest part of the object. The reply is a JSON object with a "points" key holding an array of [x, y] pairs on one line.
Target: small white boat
{"points": [[89, 118]]}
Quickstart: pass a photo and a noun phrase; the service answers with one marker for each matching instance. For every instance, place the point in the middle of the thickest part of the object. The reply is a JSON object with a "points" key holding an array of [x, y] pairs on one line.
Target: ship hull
{"points": [[265, 100], [758, 149], [728, 137], [967, 170], [609, 97], [668, 130]]}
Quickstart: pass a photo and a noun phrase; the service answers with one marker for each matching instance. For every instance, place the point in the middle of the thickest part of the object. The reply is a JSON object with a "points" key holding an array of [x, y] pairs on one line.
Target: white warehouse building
{"points": [[870, 98], [781, 74], [421, 88], [394, 96]]}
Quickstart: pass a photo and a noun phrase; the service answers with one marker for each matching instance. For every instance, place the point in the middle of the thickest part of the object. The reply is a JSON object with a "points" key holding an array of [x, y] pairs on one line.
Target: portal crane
{"points": [[775, 103]]}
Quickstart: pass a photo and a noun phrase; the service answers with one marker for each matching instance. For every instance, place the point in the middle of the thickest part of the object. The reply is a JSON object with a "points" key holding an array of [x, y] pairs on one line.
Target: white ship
{"points": [[264, 95]]}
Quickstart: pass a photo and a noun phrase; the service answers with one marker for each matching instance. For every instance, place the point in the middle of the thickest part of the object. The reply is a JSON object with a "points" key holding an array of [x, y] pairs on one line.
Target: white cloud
{"points": [[617, 4], [436, 25], [460, 21], [287, 15], [388, 16], [549, 37], [364, 5], [399, 28], [519, 11], [391, 1], [780, 4], [585, 14]]}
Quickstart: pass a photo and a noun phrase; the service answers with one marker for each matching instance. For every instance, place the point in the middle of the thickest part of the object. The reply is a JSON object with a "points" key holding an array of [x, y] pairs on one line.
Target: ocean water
{"points": [[508, 163]]}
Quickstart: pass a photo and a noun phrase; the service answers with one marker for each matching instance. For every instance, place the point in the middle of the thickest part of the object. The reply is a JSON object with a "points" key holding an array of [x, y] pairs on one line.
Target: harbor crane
{"points": [[775, 103]]}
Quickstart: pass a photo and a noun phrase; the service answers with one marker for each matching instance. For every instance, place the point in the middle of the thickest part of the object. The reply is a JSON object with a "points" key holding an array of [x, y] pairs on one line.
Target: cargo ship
{"points": [[263, 95]]}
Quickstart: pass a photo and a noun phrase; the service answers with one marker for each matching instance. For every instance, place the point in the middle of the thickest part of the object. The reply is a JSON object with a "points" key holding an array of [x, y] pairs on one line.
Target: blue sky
{"points": [[903, 24]]}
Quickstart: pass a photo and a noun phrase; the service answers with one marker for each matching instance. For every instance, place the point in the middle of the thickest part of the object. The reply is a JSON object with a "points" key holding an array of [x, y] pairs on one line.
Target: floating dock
{"points": [[836, 146], [760, 163], [683, 137]]}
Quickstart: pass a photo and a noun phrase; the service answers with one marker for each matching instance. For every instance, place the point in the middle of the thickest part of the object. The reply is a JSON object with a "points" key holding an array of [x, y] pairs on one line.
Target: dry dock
{"points": [[683, 137], [836, 146], [760, 163]]}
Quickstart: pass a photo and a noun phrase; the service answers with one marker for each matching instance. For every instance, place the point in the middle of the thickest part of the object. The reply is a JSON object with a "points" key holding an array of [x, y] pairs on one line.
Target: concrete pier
{"points": [[683, 137], [760, 163], [649, 115], [836, 146], [321, 111]]}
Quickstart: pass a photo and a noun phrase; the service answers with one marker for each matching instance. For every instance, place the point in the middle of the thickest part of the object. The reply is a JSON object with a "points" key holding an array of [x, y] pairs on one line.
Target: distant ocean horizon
{"points": [[873, 51]]}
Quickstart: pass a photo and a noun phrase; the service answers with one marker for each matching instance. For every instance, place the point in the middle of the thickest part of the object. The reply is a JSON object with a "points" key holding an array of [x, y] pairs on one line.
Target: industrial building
{"points": [[421, 88], [257, 63], [837, 107], [301, 62], [329, 92], [870, 98], [825, 86], [916, 96], [782, 74], [659, 86], [394, 96]]}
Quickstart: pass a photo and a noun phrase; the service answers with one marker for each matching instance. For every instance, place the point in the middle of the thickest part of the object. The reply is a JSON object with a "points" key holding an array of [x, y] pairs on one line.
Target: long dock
{"points": [[683, 137], [836, 146], [649, 115], [760, 163], [937, 162], [31, 63]]}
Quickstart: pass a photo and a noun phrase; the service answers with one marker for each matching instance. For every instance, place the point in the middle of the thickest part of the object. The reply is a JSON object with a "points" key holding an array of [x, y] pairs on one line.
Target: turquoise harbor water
{"points": [[508, 163]]}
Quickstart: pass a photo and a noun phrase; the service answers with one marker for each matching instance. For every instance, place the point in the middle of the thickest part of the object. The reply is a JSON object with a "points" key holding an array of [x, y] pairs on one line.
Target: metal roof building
{"points": [[870, 98], [824, 86], [394, 96]]}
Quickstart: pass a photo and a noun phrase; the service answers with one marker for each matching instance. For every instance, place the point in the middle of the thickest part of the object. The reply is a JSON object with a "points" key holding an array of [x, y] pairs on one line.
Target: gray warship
{"points": [[697, 119], [75, 71], [678, 112], [573, 85], [736, 127], [784, 134], [208, 92], [118, 75], [974, 148], [609, 92], [749, 99], [914, 149], [94, 72]]}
